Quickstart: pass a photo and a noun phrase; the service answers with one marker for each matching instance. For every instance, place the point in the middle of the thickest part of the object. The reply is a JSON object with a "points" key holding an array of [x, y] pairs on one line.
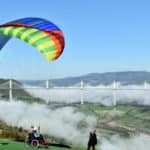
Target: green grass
{"points": [[131, 116], [21, 146]]}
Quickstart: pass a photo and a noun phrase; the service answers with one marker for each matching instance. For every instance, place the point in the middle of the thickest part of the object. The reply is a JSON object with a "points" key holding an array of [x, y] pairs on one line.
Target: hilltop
{"points": [[18, 92], [94, 79]]}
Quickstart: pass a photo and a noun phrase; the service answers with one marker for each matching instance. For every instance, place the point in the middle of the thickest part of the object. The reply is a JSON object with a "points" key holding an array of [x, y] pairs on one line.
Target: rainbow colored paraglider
{"points": [[40, 33]]}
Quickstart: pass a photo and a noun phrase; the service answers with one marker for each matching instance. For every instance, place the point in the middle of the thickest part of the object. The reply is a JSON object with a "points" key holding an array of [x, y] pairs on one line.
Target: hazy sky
{"points": [[100, 36]]}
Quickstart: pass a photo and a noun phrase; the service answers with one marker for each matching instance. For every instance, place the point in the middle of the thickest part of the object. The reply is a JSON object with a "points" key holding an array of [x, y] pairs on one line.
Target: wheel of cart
{"points": [[35, 143]]}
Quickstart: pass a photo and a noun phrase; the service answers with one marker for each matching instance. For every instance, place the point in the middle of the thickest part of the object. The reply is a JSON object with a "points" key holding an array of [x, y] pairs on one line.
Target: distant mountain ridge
{"points": [[94, 79]]}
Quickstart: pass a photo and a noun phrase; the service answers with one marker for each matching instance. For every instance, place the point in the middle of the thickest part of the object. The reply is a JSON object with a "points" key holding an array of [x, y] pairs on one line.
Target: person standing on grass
{"points": [[92, 140]]}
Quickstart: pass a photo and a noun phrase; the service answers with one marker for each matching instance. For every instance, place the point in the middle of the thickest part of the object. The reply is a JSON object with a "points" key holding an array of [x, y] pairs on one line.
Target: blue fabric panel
{"points": [[30, 20], [3, 40]]}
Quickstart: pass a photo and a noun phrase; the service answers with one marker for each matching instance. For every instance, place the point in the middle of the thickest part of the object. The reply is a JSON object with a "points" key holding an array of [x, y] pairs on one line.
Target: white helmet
{"points": [[35, 128]]}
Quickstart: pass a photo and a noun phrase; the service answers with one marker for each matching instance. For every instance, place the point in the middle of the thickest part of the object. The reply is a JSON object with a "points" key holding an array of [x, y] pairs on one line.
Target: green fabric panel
{"points": [[12, 30], [38, 42], [51, 48], [20, 32], [31, 35]]}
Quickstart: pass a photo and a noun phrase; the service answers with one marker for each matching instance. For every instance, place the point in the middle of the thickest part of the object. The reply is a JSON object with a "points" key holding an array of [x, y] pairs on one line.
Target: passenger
{"points": [[36, 134], [31, 129], [30, 136]]}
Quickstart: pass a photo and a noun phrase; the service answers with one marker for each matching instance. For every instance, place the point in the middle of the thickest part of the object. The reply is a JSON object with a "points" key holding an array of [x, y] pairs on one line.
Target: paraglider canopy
{"points": [[44, 35]]}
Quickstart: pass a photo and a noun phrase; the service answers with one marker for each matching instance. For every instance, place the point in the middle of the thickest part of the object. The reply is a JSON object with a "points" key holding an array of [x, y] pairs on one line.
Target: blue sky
{"points": [[100, 36]]}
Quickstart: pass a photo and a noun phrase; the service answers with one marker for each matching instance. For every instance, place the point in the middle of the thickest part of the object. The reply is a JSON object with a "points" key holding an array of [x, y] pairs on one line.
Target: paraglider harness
{"points": [[35, 140]]}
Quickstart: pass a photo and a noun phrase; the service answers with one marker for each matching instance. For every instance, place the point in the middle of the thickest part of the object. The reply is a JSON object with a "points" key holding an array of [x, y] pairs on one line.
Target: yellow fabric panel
{"points": [[7, 29], [50, 55], [44, 45], [17, 30], [37, 37], [25, 34]]}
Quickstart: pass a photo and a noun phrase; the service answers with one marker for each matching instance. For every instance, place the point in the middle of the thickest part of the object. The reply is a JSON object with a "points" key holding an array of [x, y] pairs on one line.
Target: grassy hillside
{"points": [[13, 133], [122, 119], [18, 92]]}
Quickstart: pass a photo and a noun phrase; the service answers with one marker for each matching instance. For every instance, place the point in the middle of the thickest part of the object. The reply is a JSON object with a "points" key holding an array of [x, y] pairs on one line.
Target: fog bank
{"points": [[62, 122]]}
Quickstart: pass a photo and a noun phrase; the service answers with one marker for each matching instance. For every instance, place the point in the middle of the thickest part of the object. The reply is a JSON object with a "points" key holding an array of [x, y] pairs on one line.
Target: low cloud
{"points": [[134, 143], [62, 122], [105, 95]]}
